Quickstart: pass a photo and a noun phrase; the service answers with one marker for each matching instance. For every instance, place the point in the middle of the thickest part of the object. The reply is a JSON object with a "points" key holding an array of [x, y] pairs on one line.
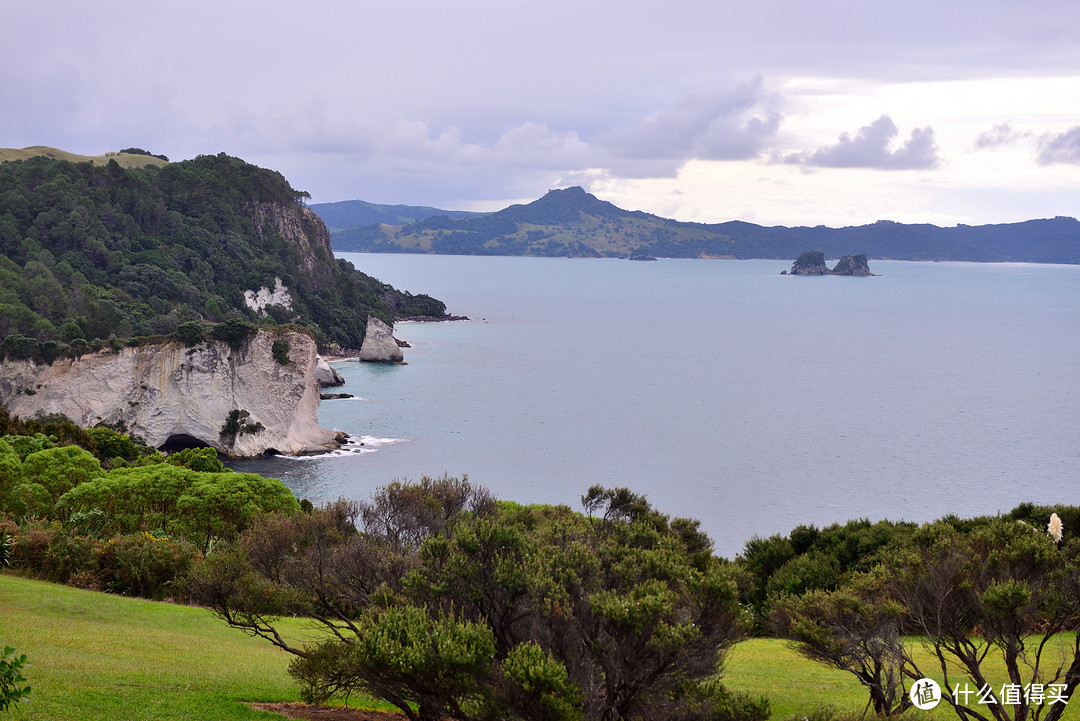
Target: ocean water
{"points": [[723, 391]]}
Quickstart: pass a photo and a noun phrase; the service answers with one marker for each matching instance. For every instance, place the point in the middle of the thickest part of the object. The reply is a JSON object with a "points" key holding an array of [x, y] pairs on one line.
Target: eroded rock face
{"points": [[852, 265], [170, 390], [812, 262], [379, 344], [327, 375], [278, 295]]}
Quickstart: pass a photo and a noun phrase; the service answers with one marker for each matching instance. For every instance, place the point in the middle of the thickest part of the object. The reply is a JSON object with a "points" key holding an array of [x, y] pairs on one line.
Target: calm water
{"points": [[722, 390]]}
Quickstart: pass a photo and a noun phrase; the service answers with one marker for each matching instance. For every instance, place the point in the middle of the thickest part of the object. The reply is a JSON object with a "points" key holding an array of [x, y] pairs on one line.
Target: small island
{"points": [[812, 262]]}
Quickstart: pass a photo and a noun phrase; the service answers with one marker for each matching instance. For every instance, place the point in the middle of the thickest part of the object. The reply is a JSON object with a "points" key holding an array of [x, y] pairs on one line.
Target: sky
{"points": [[779, 112]]}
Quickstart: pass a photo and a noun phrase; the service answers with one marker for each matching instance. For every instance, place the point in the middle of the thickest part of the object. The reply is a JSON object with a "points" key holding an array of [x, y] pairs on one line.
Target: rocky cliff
{"points": [[171, 393], [812, 262]]}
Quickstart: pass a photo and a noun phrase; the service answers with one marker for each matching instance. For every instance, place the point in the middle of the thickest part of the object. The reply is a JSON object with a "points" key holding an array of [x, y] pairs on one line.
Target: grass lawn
{"points": [[99, 656]]}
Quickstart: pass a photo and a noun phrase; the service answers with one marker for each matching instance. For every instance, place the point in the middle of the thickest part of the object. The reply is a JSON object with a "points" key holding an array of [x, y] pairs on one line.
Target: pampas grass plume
{"points": [[1054, 527]]}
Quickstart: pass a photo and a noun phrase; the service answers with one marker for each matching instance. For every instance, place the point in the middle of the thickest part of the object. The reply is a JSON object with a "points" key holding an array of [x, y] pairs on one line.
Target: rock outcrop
{"points": [[812, 262], [171, 393], [852, 265], [379, 344], [278, 295], [327, 375]]}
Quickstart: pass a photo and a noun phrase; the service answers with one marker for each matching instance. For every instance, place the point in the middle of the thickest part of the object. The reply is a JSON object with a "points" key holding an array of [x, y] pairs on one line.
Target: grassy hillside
{"points": [[126, 160], [96, 655]]}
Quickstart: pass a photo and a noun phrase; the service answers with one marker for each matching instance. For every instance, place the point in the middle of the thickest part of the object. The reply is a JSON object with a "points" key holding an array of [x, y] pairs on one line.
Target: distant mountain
{"points": [[357, 213], [572, 222]]}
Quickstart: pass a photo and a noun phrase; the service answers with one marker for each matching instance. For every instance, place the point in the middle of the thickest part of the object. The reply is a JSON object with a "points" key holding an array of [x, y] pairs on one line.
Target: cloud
{"points": [[1001, 134], [870, 148], [719, 124], [1061, 148]]}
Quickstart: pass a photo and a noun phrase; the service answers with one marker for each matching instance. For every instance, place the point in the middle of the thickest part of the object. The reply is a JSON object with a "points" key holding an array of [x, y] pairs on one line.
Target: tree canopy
{"points": [[89, 253]]}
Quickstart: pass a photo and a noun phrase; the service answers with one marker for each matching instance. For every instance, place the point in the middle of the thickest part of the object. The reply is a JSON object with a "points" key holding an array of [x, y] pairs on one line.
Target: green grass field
{"points": [[125, 160], [99, 656]]}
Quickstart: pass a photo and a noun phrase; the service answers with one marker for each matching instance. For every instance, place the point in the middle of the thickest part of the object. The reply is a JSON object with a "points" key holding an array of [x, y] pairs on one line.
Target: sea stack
{"points": [[379, 344], [812, 262]]}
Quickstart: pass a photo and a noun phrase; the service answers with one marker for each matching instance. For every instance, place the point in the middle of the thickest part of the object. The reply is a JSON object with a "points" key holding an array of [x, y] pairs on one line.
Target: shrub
{"points": [[145, 565], [190, 333], [12, 692], [233, 331], [280, 349]]}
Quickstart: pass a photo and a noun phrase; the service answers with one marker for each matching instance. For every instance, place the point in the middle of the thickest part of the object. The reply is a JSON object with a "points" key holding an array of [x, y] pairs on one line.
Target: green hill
{"points": [[358, 213], [93, 252], [571, 222]]}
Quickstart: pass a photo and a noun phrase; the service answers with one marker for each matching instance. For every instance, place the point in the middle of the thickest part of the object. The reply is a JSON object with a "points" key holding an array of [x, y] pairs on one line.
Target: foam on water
{"points": [[353, 446]]}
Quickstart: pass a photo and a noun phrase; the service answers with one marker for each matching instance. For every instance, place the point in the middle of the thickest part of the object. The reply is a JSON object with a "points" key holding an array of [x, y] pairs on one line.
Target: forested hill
{"points": [[358, 213], [102, 253], [572, 222]]}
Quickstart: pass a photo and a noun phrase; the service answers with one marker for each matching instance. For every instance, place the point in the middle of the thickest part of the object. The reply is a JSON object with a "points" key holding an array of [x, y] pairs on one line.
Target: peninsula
{"points": [[185, 302]]}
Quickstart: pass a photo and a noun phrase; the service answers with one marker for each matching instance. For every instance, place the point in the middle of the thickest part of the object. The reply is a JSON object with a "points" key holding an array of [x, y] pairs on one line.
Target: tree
{"points": [[1004, 590], [190, 333], [49, 474], [447, 604], [855, 628]]}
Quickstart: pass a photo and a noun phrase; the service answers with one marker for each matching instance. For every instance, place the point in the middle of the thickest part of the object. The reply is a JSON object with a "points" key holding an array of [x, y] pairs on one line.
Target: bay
{"points": [[723, 391]]}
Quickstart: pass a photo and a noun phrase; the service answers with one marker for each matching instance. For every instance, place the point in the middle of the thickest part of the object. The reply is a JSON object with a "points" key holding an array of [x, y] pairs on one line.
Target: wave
{"points": [[353, 446]]}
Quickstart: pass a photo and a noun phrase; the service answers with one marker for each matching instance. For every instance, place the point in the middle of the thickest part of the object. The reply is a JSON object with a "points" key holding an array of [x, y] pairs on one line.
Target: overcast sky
{"points": [[834, 112]]}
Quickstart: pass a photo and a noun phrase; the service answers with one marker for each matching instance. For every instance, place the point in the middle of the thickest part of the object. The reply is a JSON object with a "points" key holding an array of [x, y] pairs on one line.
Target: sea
{"points": [[720, 389]]}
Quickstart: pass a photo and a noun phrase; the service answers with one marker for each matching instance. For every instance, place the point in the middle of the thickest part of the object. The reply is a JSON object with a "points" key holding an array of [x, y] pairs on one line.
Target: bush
{"points": [[280, 349], [190, 333], [233, 331], [145, 565]]}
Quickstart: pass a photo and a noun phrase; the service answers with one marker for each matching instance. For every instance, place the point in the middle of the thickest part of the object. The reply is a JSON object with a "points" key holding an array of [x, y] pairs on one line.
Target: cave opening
{"points": [[180, 442]]}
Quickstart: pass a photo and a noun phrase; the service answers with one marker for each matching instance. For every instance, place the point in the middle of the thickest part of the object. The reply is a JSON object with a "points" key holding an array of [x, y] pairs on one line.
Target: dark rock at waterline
{"points": [[812, 262]]}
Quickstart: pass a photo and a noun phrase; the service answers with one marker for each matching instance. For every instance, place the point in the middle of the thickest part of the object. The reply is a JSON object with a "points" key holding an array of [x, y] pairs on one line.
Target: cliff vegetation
{"points": [[93, 255]]}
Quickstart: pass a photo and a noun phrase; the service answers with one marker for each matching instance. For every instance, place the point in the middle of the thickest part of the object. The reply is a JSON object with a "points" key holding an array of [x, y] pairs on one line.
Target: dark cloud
{"points": [[1061, 148], [870, 148], [1001, 134]]}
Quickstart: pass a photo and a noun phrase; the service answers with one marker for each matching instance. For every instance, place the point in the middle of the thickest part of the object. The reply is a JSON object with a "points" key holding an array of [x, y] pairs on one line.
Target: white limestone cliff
{"points": [[379, 344], [171, 391]]}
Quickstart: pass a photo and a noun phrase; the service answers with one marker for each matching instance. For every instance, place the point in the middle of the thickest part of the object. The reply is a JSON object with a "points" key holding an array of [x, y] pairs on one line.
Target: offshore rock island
{"points": [[812, 262]]}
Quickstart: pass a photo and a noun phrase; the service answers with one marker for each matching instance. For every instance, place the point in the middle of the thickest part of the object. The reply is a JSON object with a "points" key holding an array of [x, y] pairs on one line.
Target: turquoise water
{"points": [[722, 390]]}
